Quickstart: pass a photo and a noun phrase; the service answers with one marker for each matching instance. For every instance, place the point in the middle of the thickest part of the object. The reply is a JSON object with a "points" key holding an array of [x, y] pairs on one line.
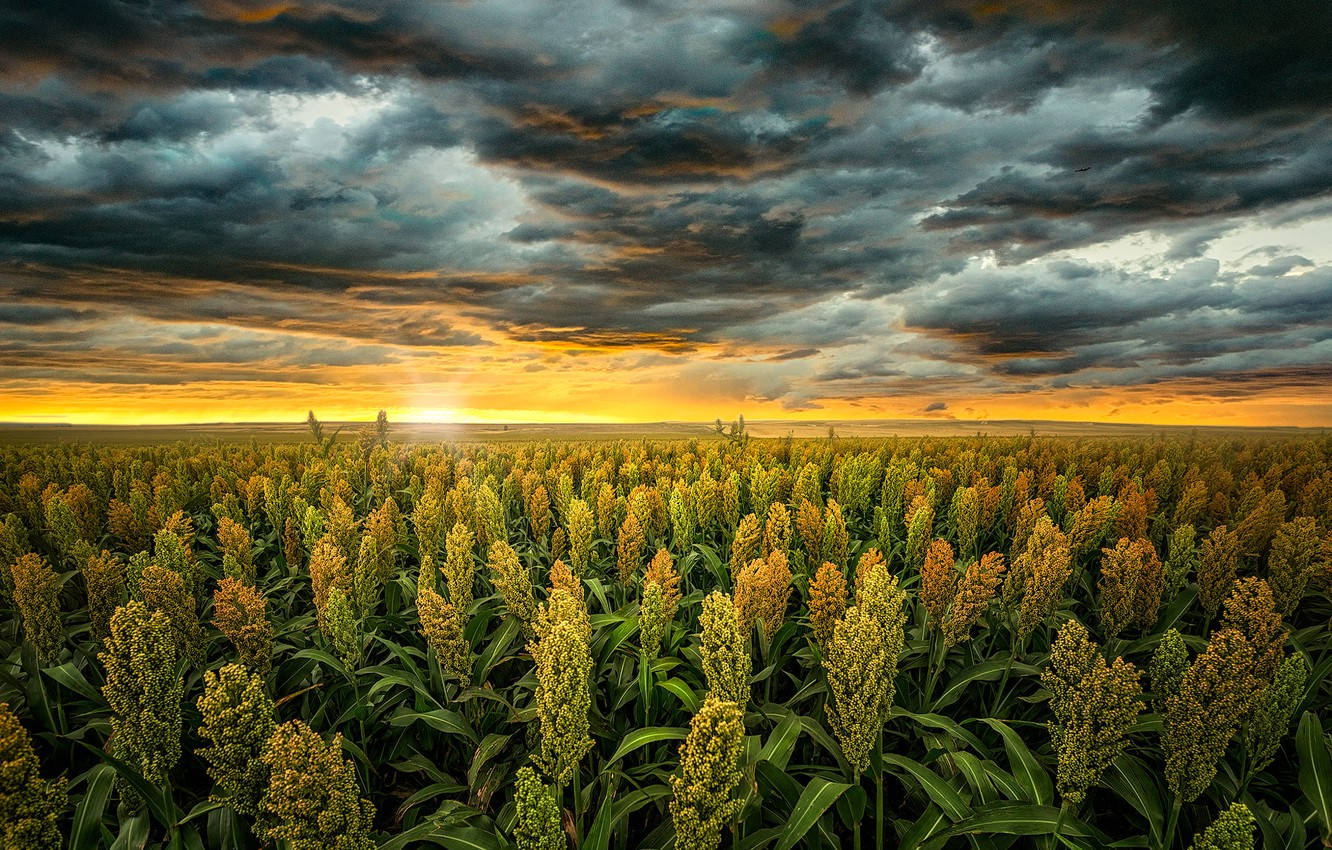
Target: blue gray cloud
{"points": [[825, 200]]}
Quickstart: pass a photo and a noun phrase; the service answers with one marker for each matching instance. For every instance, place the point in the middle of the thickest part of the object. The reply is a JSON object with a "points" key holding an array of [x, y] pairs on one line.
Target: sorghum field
{"points": [[725, 642]]}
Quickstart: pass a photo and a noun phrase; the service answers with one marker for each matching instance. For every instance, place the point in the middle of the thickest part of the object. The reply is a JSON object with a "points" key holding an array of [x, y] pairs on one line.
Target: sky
{"points": [[590, 210]]}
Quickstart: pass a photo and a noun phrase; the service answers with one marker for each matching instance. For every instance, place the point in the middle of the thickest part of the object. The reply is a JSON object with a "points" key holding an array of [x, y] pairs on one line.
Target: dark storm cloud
{"points": [[1228, 57], [807, 183], [1073, 319]]}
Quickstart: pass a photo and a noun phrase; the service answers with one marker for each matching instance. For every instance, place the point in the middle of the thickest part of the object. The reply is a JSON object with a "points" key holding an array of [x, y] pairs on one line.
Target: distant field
{"points": [[524, 431], [1096, 641]]}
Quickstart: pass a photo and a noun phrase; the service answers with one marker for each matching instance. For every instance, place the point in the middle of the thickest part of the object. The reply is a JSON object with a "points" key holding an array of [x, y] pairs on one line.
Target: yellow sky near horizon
{"points": [[584, 398]]}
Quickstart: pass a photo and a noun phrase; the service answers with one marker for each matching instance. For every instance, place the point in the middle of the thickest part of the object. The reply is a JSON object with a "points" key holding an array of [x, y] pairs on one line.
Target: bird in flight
{"points": [[1084, 168]]}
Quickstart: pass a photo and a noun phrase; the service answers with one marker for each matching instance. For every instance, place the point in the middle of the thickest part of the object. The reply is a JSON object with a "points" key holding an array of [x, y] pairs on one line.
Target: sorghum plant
{"points": [[974, 593], [312, 801], [722, 647], [1215, 693], [745, 545], [144, 691], [238, 613], [104, 578], [703, 794], [30, 806], [1232, 830], [164, 590], [1094, 705], [761, 592], [237, 721], [1130, 586], [827, 602], [514, 583], [37, 595], [538, 825], [442, 626], [563, 693]]}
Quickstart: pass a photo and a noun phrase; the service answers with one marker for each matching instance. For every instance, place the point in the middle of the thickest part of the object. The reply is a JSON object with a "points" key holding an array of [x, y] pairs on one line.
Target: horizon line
{"points": [[647, 422]]}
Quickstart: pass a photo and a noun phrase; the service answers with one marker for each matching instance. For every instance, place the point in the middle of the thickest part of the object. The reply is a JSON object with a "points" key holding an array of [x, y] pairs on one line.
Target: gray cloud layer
{"points": [[870, 196]]}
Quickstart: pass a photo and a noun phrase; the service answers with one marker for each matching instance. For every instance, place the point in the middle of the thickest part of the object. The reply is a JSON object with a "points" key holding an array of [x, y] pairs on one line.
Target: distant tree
{"points": [[736, 432], [325, 442], [370, 437]]}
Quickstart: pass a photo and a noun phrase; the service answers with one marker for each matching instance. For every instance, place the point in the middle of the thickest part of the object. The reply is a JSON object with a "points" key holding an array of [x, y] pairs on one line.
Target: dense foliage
{"points": [[729, 642]]}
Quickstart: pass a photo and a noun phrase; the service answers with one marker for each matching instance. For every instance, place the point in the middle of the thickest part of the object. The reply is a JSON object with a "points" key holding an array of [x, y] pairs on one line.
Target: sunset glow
{"points": [[482, 212]]}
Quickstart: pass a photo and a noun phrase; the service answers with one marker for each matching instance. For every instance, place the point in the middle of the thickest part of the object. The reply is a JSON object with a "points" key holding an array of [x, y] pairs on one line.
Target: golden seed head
{"points": [[582, 531], [1218, 562], [1039, 575], [238, 718], [514, 583], [860, 661], [238, 613], [30, 807], [973, 597], [703, 799], [827, 602], [37, 596], [143, 689], [629, 547], [1215, 694], [938, 580], [164, 590], [442, 627], [1094, 704], [1130, 587], [762, 589], [745, 546], [726, 665], [1091, 524], [1232, 830], [313, 800], [1293, 561], [538, 824], [777, 530], [563, 694]]}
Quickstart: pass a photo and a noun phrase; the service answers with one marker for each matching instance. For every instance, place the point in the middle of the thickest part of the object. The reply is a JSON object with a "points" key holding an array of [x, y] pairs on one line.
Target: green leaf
{"points": [[684, 693], [985, 671], [1128, 778], [818, 795], [86, 832], [445, 835], [1028, 771], [599, 834], [782, 741], [761, 838], [72, 678], [441, 718], [1022, 819], [648, 735], [943, 724], [925, 826], [635, 800], [934, 786], [496, 645], [1315, 769], [971, 768], [490, 746], [159, 806], [133, 833], [471, 838]]}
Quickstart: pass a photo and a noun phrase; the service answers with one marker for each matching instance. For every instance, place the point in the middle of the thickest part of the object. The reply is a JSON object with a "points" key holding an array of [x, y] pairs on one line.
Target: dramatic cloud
{"points": [[601, 209]]}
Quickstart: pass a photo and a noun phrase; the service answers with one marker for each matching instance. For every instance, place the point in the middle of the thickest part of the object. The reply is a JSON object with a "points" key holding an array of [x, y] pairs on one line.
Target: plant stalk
{"points": [[878, 796]]}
